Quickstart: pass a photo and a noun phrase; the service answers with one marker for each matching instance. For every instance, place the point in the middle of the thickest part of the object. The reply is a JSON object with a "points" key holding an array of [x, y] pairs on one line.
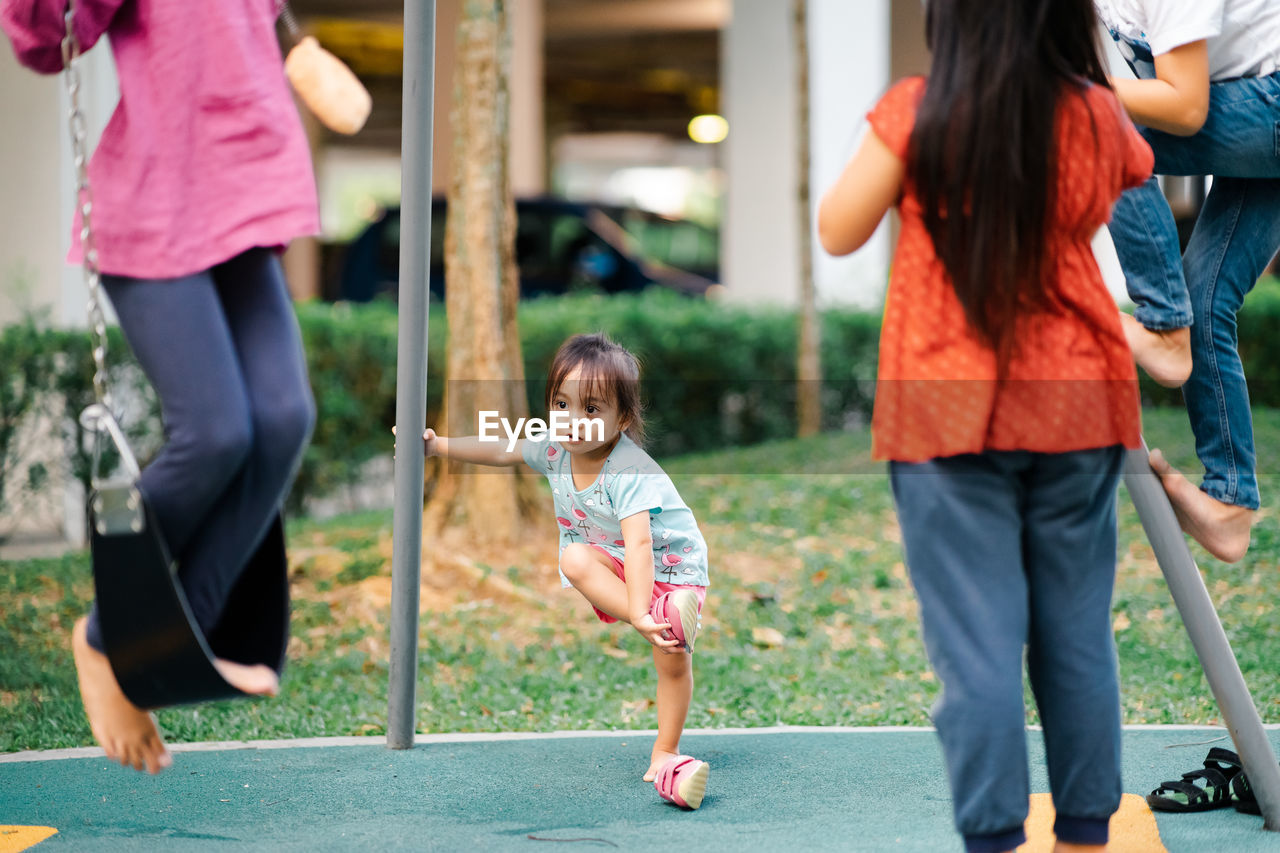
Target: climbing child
{"points": [[1006, 393], [1208, 98], [628, 543]]}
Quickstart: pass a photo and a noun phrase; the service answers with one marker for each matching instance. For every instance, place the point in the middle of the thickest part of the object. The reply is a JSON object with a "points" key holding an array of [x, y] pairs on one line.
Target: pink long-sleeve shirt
{"points": [[204, 156]]}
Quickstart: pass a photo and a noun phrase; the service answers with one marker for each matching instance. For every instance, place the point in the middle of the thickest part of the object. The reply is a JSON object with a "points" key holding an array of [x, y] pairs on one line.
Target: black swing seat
{"points": [[158, 654]]}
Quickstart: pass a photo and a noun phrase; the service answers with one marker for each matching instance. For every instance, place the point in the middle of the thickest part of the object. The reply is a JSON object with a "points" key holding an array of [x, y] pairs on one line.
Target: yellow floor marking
{"points": [[15, 838], [1133, 827]]}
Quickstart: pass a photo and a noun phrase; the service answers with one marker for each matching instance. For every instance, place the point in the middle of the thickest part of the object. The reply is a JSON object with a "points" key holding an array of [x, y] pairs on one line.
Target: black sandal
{"points": [[1246, 801], [1221, 770]]}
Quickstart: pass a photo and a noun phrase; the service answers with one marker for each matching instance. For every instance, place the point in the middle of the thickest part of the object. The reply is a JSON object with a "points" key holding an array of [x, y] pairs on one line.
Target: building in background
{"points": [[603, 94], [604, 99]]}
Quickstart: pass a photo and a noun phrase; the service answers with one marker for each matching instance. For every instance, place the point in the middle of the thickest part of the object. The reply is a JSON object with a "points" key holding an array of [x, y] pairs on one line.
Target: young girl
{"points": [[1006, 393], [1208, 97], [201, 175], [628, 543]]}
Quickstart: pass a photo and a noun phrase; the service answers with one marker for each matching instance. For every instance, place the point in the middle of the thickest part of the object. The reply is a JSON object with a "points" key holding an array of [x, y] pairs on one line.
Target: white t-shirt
{"points": [[1243, 35]]}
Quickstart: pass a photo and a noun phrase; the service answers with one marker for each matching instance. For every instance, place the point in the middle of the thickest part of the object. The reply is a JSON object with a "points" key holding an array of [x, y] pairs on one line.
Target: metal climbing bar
{"points": [[418, 101], [1210, 641]]}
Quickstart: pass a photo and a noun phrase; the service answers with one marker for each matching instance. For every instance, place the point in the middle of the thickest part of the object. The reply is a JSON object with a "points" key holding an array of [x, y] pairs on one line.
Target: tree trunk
{"points": [[484, 369], [808, 363]]}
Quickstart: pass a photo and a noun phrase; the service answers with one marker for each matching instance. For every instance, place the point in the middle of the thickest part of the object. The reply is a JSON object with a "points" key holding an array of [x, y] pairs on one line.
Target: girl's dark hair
{"points": [[609, 371], [982, 153]]}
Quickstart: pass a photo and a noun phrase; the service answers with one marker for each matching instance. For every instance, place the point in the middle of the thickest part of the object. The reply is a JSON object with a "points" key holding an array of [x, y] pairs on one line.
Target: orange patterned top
{"points": [[1072, 384]]}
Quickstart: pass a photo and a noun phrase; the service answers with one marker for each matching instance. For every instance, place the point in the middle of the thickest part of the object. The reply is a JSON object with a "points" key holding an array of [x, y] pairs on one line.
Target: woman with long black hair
{"points": [[1006, 394]]}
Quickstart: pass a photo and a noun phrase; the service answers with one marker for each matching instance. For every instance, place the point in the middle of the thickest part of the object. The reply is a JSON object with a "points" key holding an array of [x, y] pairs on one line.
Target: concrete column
{"points": [[849, 69], [100, 91], [31, 238], [528, 127], [849, 49], [448, 14], [910, 54], [528, 156], [37, 186], [759, 254]]}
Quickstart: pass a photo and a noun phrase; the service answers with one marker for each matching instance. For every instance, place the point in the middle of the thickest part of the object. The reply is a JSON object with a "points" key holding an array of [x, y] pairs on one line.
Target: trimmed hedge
{"points": [[716, 374], [351, 356], [48, 376]]}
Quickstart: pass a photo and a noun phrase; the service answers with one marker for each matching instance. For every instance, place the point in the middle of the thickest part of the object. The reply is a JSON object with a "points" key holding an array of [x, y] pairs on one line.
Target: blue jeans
{"points": [[222, 350], [1235, 237], [1008, 550]]}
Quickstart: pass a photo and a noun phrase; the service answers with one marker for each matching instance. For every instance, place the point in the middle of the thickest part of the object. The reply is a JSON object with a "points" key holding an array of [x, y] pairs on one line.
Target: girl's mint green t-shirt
{"points": [[630, 482]]}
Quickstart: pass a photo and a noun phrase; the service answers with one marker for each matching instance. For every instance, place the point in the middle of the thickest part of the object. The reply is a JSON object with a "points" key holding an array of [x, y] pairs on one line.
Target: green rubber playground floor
{"points": [[793, 789]]}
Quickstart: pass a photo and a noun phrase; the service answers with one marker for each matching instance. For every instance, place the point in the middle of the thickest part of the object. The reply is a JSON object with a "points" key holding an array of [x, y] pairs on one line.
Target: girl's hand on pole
{"points": [[430, 442], [653, 632]]}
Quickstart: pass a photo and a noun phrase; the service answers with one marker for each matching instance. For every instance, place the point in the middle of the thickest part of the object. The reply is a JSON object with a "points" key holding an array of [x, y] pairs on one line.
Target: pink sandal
{"points": [[679, 608], [683, 781]]}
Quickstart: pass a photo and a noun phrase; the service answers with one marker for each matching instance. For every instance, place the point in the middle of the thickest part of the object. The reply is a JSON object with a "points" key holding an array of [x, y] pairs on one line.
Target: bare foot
{"points": [[659, 758], [1223, 529], [127, 733], [256, 679], [1164, 355], [1064, 847]]}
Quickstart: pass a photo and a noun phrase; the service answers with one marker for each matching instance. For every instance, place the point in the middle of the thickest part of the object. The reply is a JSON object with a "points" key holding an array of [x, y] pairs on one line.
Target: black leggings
{"points": [[223, 352]]}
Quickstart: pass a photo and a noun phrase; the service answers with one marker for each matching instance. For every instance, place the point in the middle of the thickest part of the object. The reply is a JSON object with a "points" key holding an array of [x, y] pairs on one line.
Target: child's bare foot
{"points": [[256, 679], [1223, 529], [127, 733], [659, 758], [1064, 847], [1164, 355]]}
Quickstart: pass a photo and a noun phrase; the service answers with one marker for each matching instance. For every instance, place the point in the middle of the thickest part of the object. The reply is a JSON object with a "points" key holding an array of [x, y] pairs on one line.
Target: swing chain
{"points": [[100, 417], [285, 16], [84, 198]]}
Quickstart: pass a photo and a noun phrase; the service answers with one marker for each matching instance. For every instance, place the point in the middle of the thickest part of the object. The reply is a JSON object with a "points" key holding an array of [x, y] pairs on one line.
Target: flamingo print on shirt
{"points": [[629, 482], [566, 527]]}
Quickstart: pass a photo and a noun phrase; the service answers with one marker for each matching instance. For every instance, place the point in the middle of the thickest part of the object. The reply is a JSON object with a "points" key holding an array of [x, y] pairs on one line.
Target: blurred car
{"points": [[561, 247]]}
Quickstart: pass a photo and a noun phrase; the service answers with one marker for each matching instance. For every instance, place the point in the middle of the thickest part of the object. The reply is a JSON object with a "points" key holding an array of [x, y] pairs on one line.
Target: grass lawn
{"points": [[810, 620]]}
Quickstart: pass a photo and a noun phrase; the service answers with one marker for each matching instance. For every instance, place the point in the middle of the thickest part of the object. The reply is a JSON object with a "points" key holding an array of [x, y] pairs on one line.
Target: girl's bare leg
{"points": [[675, 692], [126, 732], [591, 574]]}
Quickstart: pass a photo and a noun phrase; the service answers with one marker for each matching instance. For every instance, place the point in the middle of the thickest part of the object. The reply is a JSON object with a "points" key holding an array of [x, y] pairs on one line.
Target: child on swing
{"points": [[1006, 394], [201, 175], [1208, 100], [628, 543]]}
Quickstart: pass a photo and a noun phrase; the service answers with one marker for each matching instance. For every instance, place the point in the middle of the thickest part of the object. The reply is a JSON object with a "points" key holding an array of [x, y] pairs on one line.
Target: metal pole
{"points": [[411, 364], [1210, 641]]}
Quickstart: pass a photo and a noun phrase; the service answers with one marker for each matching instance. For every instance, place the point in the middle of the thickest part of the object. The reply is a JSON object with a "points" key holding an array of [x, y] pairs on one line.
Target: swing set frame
{"points": [[1158, 521], [124, 528]]}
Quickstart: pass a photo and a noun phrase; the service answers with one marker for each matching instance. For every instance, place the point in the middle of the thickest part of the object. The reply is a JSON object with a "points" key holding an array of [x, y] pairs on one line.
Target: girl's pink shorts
{"points": [[659, 587]]}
